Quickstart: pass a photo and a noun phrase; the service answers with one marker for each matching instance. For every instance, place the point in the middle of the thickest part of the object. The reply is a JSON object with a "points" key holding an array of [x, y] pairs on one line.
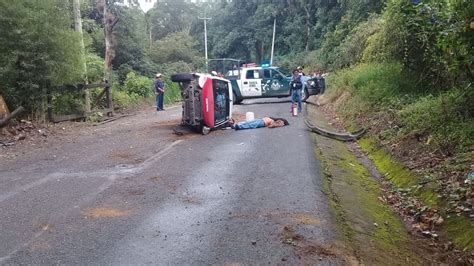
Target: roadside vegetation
{"points": [[408, 77]]}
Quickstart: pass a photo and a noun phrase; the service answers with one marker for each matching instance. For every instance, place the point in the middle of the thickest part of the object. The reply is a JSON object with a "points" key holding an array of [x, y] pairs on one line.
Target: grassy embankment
{"points": [[367, 229], [432, 133]]}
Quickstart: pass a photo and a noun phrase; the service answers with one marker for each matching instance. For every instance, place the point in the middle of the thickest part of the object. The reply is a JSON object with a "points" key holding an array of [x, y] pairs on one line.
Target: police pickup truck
{"points": [[265, 82]]}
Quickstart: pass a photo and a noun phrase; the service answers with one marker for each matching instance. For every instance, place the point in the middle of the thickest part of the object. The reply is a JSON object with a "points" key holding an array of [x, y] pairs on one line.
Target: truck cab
{"points": [[258, 82], [250, 81]]}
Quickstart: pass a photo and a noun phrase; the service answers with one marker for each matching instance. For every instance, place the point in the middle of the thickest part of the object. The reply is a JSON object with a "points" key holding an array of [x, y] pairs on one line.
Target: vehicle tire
{"points": [[236, 100], [304, 95], [205, 130], [182, 77]]}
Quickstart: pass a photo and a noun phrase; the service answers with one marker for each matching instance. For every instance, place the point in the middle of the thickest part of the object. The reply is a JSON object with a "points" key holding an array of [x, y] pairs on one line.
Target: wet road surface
{"points": [[131, 192]]}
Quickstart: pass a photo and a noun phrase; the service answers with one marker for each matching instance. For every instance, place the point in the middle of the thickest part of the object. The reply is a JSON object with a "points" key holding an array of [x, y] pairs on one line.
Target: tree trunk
{"points": [[258, 51], [110, 20], [150, 36], [78, 28], [4, 121], [308, 26]]}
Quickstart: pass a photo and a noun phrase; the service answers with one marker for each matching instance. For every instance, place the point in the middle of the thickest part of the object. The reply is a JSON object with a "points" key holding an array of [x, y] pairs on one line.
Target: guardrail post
{"points": [[49, 101], [108, 95]]}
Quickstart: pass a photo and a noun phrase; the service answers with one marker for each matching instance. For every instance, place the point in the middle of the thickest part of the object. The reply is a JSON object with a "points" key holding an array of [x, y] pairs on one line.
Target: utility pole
{"points": [[205, 41], [273, 40]]}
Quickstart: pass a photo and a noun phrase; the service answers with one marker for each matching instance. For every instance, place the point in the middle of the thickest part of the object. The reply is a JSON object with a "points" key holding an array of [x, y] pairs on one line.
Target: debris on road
{"points": [[6, 120], [334, 135]]}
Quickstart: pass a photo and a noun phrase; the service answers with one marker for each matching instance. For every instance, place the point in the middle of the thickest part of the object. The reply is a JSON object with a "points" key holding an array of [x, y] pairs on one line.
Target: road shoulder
{"points": [[368, 229]]}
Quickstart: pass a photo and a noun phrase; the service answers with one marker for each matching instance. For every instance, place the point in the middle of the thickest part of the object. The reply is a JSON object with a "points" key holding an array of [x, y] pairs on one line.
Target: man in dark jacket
{"points": [[159, 92], [296, 85]]}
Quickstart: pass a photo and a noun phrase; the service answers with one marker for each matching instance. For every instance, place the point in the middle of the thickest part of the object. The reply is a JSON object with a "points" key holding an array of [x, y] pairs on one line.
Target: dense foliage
{"points": [[414, 53], [36, 47]]}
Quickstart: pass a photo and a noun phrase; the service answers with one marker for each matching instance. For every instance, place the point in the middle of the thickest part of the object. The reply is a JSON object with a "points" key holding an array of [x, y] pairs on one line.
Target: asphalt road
{"points": [[132, 192]]}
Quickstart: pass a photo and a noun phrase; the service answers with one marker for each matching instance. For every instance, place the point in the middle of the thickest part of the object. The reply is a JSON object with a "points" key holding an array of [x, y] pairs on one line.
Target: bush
{"points": [[173, 92], [139, 85], [431, 39], [350, 51], [95, 68], [446, 120], [379, 85], [380, 93], [68, 103], [124, 100]]}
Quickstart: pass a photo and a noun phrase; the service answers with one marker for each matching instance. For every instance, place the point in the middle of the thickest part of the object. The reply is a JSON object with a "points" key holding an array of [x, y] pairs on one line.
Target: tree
{"points": [[177, 47], [109, 11], [37, 47], [170, 16], [131, 44], [78, 27]]}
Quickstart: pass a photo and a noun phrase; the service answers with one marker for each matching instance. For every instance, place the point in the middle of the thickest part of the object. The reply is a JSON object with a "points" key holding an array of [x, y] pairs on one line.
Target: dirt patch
{"points": [[309, 252], [105, 212], [136, 191], [192, 200], [169, 124], [297, 218], [38, 245], [122, 155], [306, 219], [45, 227], [156, 178]]}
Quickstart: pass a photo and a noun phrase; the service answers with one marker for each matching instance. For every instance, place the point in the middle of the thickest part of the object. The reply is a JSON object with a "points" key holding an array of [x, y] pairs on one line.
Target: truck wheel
{"points": [[236, 101], [304, 95], [205, 130], [182, 77]]}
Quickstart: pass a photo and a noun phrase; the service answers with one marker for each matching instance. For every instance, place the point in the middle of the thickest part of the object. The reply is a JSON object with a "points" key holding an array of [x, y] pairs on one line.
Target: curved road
{"points": [[131, 192]]}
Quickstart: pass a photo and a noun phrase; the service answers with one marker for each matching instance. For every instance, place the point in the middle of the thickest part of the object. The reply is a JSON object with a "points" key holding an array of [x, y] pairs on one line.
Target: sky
{"points": [[146, 4]]}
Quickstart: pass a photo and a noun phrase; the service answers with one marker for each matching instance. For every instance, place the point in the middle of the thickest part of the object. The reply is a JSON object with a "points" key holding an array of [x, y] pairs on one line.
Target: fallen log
{"points": [[4, 121], [334, 135]]}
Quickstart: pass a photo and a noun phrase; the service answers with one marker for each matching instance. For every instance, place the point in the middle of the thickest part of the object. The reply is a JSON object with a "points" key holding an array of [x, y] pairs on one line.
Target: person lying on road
{"points": [[267, 121]]}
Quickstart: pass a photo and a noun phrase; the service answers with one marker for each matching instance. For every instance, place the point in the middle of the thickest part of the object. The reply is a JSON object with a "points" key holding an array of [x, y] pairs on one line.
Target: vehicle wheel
{"points": [[182, 77], [205, 130], [236, 101], [304, 95]]}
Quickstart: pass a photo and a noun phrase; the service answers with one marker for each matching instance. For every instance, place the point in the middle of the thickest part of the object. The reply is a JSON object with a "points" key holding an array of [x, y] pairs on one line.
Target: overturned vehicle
{"points": [[207, 101]]}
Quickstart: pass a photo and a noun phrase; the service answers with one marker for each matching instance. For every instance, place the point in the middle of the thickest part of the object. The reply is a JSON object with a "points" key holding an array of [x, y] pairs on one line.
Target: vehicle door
{"points": [[251, 83], [274, 83], [222, 104]]}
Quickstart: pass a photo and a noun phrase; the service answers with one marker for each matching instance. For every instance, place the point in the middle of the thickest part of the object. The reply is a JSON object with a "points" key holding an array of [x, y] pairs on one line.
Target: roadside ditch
{"points": [[369, 208]]}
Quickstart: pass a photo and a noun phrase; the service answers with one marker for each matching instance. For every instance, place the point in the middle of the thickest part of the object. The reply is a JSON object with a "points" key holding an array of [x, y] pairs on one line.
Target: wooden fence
{"points": [[107, 92]]}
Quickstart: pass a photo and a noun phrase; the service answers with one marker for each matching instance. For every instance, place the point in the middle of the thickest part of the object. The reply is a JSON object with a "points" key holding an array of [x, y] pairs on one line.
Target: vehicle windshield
{"points": [[284, 71], [226, 66]]}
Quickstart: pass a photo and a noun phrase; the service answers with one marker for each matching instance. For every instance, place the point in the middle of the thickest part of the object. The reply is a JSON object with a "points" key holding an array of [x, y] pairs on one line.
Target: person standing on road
{"points": [[302, 74], [300, 70], [317, 82], [159, 92], [296, 85]]}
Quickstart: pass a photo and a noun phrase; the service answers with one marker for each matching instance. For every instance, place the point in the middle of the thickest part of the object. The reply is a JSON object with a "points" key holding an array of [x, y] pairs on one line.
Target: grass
{"points": [[458, 228], [426, 121], [354, 201], [444, 119]]}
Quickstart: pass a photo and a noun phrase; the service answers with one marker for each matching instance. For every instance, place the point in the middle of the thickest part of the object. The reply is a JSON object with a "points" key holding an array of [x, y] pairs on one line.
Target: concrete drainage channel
{"points": [[368, 229]]}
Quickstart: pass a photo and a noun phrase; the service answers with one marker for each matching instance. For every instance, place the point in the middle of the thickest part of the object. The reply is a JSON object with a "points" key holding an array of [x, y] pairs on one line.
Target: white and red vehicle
{"points": [[207, 100]]}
